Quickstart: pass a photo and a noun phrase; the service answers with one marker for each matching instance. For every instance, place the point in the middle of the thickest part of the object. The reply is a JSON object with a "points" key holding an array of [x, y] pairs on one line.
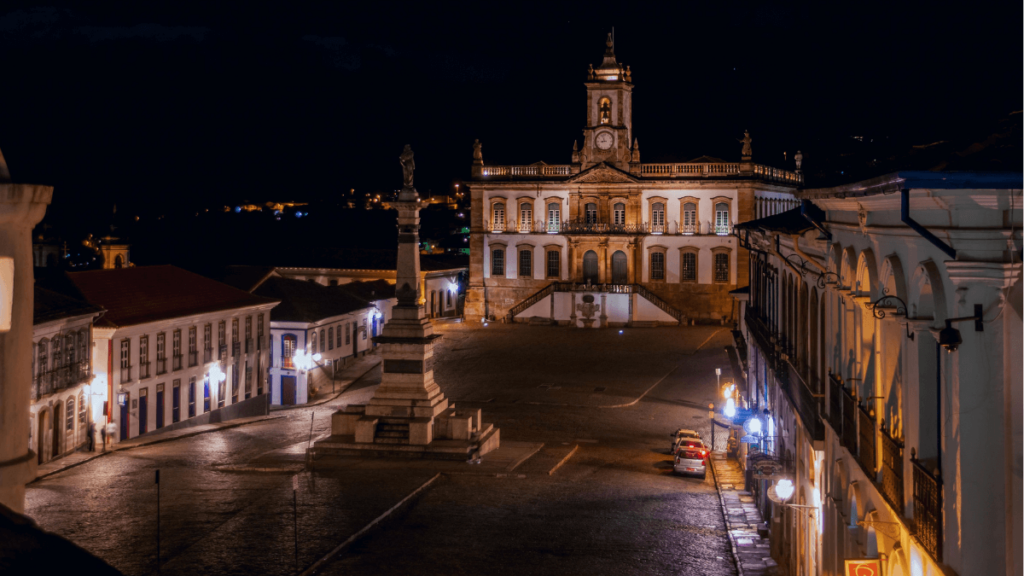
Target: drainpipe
{"points": [[906, 219], [796, 248], [775, 251]]}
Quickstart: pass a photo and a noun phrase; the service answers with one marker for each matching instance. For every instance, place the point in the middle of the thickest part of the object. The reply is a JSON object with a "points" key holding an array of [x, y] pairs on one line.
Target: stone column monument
{"points": [[408, 415]]}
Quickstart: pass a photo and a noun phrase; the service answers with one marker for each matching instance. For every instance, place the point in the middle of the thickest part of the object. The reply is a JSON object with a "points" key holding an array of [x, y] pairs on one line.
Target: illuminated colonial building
{"points": [[883, 332], [653, 240], [173, 346]]}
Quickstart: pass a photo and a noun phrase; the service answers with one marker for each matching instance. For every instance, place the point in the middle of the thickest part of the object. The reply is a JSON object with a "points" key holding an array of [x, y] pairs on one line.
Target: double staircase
{"points": [[605, 288]]}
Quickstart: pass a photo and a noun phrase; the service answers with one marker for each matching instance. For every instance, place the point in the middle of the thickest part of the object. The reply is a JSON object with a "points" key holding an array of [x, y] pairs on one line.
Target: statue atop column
{"points": [[799, 158], [746, 145], [408, 165]]}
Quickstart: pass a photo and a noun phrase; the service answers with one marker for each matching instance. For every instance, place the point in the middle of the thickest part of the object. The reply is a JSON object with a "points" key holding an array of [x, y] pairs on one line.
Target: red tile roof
{"points": [[149, 293]]}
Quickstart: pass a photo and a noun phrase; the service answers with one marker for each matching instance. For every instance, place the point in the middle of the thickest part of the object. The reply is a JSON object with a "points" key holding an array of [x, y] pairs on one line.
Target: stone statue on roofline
{"points": [[408, 165], [478, 154], [746, 153], [799, 158]]}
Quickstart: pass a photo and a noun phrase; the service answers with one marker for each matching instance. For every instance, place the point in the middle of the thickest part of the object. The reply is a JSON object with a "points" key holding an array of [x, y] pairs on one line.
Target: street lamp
{"points": [[730, 408]]}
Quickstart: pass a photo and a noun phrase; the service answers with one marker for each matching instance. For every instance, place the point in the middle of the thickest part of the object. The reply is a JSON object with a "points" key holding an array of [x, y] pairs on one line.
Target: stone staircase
{"points": [[391, 431]]}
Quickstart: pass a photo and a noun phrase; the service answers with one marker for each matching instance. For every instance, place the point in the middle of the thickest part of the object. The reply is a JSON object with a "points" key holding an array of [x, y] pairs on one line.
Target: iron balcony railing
{"points": [[892, 470], [143, 370], [259, 342], [161, 366], [61, 378], [866, 448], [835, 403], [248, 345], [849, 422], [222, 351], [585, 226], [236, 349], [803, 400], [207, 355], [176, 362], [928, 508], [126, 374], [193, 358]]}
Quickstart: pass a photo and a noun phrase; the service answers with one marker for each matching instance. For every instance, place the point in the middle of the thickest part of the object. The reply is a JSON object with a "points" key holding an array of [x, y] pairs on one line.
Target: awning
{"points": [[788, 222]]}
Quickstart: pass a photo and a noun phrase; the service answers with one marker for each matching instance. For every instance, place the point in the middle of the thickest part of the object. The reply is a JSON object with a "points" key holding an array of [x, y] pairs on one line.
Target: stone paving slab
{"points": [[742, 518]]}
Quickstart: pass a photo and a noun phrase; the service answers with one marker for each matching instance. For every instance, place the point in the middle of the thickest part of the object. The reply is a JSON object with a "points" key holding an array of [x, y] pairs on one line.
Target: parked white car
{"points": [[691, 458], [680, 435]]}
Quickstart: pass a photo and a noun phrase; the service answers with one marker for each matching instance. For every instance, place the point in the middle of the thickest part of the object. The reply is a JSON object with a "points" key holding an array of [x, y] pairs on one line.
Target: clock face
{"points": [[604, 140]]}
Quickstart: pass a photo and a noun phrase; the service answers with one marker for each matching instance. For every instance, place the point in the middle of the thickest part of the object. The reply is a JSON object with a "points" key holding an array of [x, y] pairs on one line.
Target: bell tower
{"points": [[608, 133]]}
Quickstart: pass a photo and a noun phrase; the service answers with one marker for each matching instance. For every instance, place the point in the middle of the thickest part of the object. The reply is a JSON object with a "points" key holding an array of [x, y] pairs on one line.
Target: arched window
{"points": [[497, 262], [688, 273], [604, 106], [689, 218], [288, 345], [118, 261], [330, 338], [312, 342], [619, 213], [499, 217], [70, 415], [591, 213], [554, 217], [722, 218], [722, 267], [526, 262], [58, 352], [525, 217], [658, 217], [657, 266], [69, 348], [323, 341], [44, 346]]}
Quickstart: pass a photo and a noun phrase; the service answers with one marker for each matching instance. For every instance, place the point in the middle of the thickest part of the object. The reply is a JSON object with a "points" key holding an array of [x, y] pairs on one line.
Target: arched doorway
{"points": [[118, 261], [57, 411], [43, 436], [590, 267], [619, 268]]}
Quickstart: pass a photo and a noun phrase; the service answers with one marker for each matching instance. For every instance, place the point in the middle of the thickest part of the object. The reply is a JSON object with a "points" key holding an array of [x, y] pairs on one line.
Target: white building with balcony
{"points": [[174, 346], [660, 232], [884, 334], [63, 402]]}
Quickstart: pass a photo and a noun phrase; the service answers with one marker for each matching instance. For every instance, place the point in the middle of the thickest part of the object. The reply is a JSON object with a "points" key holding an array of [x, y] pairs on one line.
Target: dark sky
{"points": [[159, 106]]}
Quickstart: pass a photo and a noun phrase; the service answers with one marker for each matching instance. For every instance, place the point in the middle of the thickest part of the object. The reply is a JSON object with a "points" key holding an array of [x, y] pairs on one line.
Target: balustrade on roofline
{"points": [[581, 227], [657, 170]]}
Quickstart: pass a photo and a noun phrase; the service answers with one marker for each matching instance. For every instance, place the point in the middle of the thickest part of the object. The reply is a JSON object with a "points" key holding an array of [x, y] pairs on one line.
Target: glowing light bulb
{"points": [[730, 408], [754, 426], [784, 489]]}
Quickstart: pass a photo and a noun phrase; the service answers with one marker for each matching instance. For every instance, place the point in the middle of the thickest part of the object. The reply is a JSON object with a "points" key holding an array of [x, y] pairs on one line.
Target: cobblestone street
{"points": [[582, 484]]}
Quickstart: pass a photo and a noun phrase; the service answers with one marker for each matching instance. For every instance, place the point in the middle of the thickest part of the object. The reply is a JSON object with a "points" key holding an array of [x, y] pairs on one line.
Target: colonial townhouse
{"points": [[63, 402], [883, 325], [630, 242], [175, 346], [318, 329]]}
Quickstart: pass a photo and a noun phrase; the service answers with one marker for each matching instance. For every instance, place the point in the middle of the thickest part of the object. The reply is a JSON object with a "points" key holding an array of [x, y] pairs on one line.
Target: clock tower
{"points": [[607, 136]]}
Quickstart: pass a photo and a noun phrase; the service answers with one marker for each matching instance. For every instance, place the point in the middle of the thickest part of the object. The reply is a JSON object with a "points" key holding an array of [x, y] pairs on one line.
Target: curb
{"points": [[564, 460], [330, 555], [155, 441], [732, 540]]}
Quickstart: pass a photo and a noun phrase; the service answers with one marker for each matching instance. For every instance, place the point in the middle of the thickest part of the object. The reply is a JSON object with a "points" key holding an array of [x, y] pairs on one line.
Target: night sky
{"points": [[157, 107]]}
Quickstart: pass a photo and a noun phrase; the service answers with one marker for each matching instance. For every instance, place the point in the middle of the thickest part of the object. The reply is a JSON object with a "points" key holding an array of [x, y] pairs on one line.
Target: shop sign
{"points": [[863, 567]]}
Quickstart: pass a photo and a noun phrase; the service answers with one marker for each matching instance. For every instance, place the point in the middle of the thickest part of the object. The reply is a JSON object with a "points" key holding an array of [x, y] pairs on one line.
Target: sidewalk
{"points": [[752, 553], [81, 457], [342, 380]]}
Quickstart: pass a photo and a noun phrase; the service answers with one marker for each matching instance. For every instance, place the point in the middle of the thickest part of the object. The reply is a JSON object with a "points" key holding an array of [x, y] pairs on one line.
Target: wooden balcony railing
{"points": [[928, 508], [892, 470]]}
